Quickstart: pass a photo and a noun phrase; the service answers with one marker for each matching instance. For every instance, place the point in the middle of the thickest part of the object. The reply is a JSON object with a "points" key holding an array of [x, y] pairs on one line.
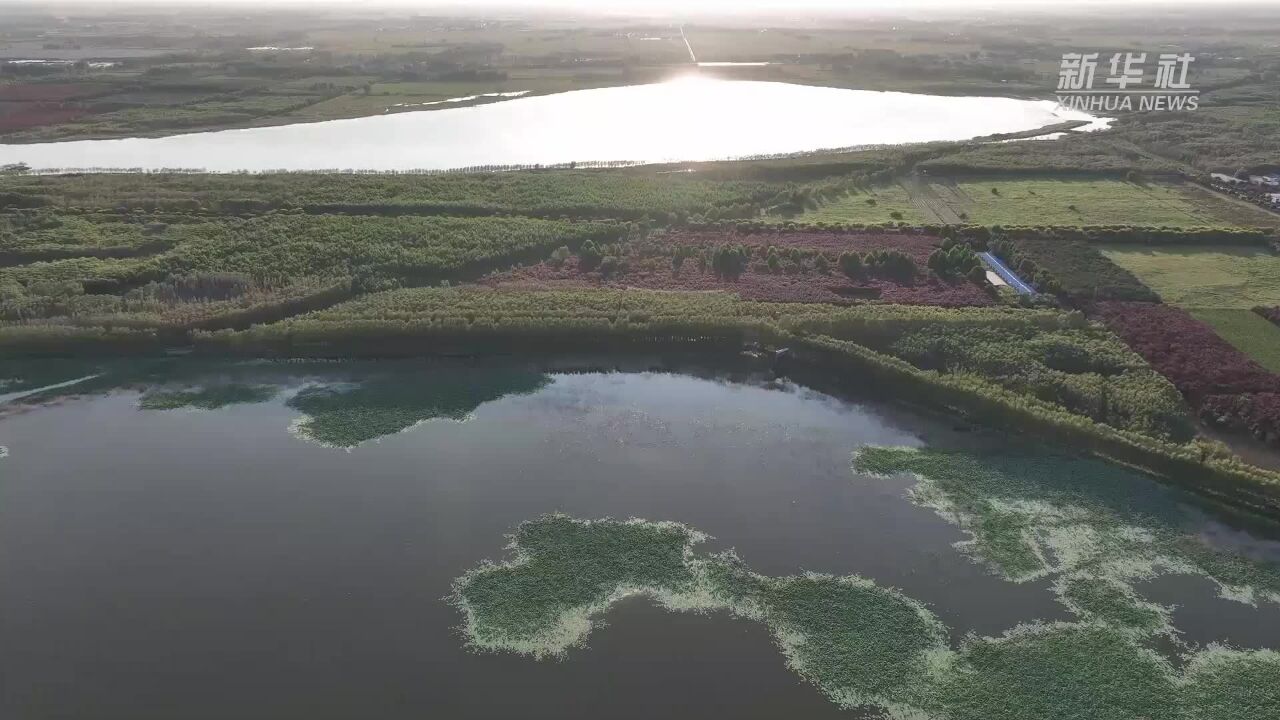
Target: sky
{"points": [[792, 7], [694, 8], [713, 5], [733, 5]]}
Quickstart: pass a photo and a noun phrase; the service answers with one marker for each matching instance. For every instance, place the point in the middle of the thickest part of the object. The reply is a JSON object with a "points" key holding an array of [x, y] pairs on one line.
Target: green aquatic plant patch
{"points": [[564, 571], [1058, 671], [861, 644], [1225, 684], [1097, 528], [1111, 602]]}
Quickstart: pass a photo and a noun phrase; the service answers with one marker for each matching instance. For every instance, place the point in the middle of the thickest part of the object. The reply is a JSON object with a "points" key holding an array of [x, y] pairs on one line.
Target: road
{"points": [[692, 58]]}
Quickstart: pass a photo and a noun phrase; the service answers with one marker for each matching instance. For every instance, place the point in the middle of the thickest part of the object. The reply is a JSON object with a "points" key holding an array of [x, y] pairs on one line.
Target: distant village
{"points": [[1263, 189]]}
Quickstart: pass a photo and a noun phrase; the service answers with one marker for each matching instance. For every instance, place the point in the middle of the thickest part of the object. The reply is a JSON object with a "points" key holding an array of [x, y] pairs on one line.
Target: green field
{"points": [[1248, 331], [1043, 202], [1219, 277], [876, 205]]}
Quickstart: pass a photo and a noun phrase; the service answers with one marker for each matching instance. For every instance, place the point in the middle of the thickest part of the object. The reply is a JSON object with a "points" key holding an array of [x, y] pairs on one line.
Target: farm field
{"points": [[884, 204], [1204, 277], [1248, 331], [1095, 202], [1041, 202]]}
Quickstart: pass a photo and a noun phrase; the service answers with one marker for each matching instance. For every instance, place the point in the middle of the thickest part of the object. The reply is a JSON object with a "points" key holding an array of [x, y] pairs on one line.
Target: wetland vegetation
{"points": [[748, 421], [1097, 530]]}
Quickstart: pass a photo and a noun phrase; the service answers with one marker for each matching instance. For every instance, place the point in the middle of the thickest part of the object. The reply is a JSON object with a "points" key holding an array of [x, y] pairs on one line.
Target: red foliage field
{"points": [[1220, 382], [37, 114], [46, 92], [647, 264]]}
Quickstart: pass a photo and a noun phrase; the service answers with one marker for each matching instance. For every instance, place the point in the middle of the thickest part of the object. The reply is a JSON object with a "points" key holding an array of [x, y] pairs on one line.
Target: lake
{"points": [[687, 119], [216, 540]]}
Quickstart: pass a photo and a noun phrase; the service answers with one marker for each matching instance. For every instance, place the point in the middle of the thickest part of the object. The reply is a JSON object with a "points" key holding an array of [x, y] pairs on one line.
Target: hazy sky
{"points": [[693, 8], [797, 7], [731, 5], [707, 5]]}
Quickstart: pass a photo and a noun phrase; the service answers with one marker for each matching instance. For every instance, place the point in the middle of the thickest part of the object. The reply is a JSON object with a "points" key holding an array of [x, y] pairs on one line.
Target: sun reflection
{"points": [[691, 78]]}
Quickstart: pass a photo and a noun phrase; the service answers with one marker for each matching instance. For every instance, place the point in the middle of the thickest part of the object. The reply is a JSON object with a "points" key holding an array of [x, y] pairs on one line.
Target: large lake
{"points": [[685, 119], [278, 540]]}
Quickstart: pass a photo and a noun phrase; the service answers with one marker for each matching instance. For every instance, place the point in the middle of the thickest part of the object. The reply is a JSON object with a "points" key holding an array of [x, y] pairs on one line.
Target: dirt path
{"points": [[933, 206], [1258, 210]]}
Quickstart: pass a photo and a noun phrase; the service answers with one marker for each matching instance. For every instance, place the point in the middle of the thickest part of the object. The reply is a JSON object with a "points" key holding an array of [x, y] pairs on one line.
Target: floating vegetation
{"points": [[208, 398], [564, 571], [1098, 528], [1057, 671], [4, 452], [1225, 684], [344, 416], [862, 644], [1111, 602]]}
